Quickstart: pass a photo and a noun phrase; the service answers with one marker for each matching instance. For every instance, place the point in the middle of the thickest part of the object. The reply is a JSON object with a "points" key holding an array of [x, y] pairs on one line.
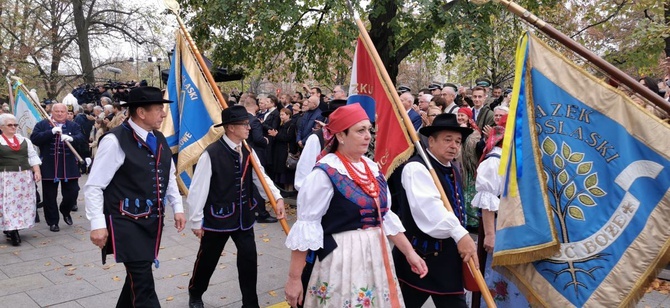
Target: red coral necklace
{"points": [[14, 144], [368, 184]]}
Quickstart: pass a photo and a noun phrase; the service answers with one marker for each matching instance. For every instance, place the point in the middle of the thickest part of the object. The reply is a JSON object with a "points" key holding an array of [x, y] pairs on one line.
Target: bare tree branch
{"points": [[616, 12]]}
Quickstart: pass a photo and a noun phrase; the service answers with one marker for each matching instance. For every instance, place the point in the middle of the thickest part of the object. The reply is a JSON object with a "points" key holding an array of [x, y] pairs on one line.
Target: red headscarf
{"points": [[496, 135], [468, 112], [338, 121]]}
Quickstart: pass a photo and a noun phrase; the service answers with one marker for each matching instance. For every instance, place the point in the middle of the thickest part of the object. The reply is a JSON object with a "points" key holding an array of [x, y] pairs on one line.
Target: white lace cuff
{"points": [[305, 235], [392, 224], [486, 201]]}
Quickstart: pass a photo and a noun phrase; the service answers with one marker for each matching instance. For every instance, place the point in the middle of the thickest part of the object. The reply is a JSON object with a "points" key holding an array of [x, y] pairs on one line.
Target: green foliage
{"points": [[307, 38]]}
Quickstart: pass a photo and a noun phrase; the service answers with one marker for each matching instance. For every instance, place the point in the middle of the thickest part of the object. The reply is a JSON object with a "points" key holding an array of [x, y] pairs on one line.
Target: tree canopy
{"points": [[314, 39]]}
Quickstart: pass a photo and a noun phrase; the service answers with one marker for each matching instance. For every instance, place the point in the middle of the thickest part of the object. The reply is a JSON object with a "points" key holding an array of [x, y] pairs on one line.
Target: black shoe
{"points": [[67, 219], [16, 240], [267, 219], [54, 228], [195, 303], [37, 217], [75, 208], [7, 234]]}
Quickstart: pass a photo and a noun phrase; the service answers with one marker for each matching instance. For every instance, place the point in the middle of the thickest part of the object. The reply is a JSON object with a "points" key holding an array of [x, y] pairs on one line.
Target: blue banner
{"points": [[583, 221]]}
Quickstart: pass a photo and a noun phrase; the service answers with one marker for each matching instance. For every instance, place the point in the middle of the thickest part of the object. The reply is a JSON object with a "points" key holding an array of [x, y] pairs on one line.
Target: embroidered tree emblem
{"points": [[572, 185]]}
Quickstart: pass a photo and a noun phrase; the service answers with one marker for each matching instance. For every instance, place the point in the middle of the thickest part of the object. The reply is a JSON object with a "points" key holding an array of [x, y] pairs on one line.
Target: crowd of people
{"points": [[305, 142]]}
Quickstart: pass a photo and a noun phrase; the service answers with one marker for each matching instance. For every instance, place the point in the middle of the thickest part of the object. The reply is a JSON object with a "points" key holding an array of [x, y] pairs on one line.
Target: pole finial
{"points": [[173, 5]]}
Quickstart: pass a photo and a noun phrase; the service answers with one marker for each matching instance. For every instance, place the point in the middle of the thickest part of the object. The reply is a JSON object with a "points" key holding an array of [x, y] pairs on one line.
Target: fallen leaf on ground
{"points": [[181, 287], [69, 274], [266, 240], [71, 268], [116, 278], [170, 298], [47, 264], [272, 293], [67, 264], [184, 274]]}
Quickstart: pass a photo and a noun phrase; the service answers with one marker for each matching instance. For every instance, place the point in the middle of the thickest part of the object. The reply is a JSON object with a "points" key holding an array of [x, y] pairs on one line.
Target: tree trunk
{"points": [[81, 24], [383, 36]]}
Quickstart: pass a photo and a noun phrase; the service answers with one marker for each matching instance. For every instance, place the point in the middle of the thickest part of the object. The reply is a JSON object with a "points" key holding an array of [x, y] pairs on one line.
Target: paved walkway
{"points": [[63, 269]]}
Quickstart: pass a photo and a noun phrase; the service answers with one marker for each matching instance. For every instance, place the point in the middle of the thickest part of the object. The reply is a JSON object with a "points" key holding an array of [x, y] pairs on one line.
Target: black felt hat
{"points": [[333, 105], [445, 121], [233, 114], [142, 96]]}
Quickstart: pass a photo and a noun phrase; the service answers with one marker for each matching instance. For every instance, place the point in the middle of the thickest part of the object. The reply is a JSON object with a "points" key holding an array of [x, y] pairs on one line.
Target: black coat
{"points": [[284, 142], [256, 139], [57, 159]]}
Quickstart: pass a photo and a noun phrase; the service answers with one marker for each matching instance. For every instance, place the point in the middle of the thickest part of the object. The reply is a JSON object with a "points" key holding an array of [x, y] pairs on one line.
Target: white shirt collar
{"points": [[438, 161], [229, 142], [138, 130]]}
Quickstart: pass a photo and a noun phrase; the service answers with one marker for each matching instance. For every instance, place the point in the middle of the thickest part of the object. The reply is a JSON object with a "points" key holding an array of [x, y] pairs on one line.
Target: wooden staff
{"points": [[412, 133], [174, 8], [11, 93], [44, 114], [610, 69]]}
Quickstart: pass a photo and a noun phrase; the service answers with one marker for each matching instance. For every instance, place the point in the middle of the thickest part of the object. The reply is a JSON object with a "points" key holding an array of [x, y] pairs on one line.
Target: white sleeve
{"points": [[392, 223], [313, 201], [172, 191], [426, 205], [108, 160], [489, 185], [197, 195], [33, 157], [307, 160], [257, 182]]}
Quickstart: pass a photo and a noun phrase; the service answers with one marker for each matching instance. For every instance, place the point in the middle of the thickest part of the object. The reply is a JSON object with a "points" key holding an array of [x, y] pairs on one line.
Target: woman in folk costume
{"points": [[469, 161], [490, 185], [19, 169], [344, 220]]}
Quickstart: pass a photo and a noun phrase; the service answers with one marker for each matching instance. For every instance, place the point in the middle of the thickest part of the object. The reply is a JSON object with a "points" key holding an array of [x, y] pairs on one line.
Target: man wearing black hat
{"points": [[222, 206], [59, 165], [439, 236], [313, 147], [129, 186]]}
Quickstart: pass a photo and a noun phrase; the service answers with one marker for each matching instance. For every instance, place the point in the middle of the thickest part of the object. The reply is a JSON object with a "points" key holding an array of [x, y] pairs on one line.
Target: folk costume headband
{"points": [[338, 121]]}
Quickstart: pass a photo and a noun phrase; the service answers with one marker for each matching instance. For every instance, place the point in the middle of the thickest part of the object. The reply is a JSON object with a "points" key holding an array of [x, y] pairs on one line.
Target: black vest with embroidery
{"points": [[134, 199], [349, 209], [230, 205], [11, 160], [445, 266]]}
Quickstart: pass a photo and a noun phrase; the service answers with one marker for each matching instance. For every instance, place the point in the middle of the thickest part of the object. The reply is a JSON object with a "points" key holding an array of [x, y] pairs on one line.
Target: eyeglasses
{"points": [[246, 124], [12, 125]]}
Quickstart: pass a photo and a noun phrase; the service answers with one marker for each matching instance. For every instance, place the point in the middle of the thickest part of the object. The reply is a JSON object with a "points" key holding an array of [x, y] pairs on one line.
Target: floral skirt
{"points": [[17, 200], [353, 275]]}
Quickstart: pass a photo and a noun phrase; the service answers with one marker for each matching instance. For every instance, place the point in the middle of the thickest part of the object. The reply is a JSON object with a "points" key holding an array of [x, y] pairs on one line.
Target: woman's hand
{"points": [[37, 176], [417, 264], [489, 241], [272, 132], [293, 291]]}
